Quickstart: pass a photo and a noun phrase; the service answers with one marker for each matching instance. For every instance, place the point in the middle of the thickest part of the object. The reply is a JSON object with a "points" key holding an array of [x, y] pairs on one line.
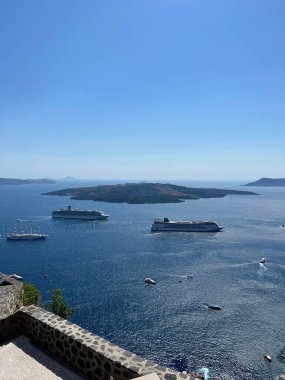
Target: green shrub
{"points": [[59, 306], [31, 295]]}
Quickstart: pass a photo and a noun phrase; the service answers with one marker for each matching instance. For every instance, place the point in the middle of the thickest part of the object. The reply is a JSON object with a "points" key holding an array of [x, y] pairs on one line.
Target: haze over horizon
{"points": [[164, 89]]}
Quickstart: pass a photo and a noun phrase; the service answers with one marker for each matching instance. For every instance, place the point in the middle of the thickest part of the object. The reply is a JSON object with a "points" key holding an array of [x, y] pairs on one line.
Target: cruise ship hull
{"points": [[26, 237], [173, 226], [85, 217], [74, 213]]}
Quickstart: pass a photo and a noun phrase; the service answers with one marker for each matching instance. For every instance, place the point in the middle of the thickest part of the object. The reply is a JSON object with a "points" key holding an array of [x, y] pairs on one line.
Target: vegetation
{"points": [[59, 306], [31, 295]]}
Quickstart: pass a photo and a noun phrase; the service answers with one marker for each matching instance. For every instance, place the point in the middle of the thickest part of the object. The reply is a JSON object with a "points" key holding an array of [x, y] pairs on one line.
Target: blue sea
{"points": [[101, 266]]}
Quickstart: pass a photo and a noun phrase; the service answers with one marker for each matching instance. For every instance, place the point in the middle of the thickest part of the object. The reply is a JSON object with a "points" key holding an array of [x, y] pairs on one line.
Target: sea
{"points": [[101, 266]]}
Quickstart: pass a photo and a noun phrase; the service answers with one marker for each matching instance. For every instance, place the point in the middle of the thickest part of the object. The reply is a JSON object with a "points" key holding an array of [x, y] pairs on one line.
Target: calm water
{"points": [[101, 267]]}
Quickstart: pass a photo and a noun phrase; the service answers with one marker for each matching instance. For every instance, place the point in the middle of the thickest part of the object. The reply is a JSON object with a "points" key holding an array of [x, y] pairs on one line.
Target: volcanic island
{"points": [[140, 193]]}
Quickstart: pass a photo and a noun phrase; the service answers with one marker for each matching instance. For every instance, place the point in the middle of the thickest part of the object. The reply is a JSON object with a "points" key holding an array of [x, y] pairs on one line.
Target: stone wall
{"points": [[10, 295], [93, 356], [9, 328]]}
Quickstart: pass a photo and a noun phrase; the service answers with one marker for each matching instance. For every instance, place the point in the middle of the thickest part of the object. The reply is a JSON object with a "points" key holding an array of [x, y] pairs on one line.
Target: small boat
{"points": [[267, 357], [189, 276], [16, 277], [262, 261], [149, 281], [214, 307]]}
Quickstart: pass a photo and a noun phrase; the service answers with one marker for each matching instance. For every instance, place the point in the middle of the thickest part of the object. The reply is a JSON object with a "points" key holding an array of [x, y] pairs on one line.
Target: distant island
{"points": [[67, 178], [267, 182], [15, 181], [139, 193]]}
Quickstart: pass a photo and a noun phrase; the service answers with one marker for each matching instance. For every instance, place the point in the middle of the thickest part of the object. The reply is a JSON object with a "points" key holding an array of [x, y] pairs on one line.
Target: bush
{"points": [[59, 306], [31, 295]]}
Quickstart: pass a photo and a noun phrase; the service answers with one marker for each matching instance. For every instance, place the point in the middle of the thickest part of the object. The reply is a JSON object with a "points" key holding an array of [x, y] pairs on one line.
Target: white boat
{"points": [[166, 225], [267, 357], [28, 236], [149, 281], [74, 213]]}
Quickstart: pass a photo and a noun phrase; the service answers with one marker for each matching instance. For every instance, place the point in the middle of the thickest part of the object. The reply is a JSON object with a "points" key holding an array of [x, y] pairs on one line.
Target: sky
{"points": [[142, 89]]}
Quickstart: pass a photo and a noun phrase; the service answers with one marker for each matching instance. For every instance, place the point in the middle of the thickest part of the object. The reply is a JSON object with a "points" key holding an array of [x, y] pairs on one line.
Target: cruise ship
{"points": [[166, 225], [28, 236], [74, 213]]}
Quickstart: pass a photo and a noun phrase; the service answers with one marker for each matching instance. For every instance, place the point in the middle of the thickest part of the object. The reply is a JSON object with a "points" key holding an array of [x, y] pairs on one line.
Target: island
{"points": [[16, 181], [267, 182], [139, 193]]}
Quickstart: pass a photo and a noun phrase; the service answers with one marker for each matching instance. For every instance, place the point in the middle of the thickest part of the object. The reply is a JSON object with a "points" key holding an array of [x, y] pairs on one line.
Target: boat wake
{"points": [[262, 267], [35, 219], [205, 372]]}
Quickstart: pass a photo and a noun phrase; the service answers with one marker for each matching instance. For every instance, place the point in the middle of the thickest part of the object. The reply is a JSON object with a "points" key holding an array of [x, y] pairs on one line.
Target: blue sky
{"points": [[142, 89]]}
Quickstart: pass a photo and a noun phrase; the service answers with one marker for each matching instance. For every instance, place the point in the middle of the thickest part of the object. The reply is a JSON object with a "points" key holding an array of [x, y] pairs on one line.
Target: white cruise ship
{"points": [[167, 225], [74, 213], [28, 236]]}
